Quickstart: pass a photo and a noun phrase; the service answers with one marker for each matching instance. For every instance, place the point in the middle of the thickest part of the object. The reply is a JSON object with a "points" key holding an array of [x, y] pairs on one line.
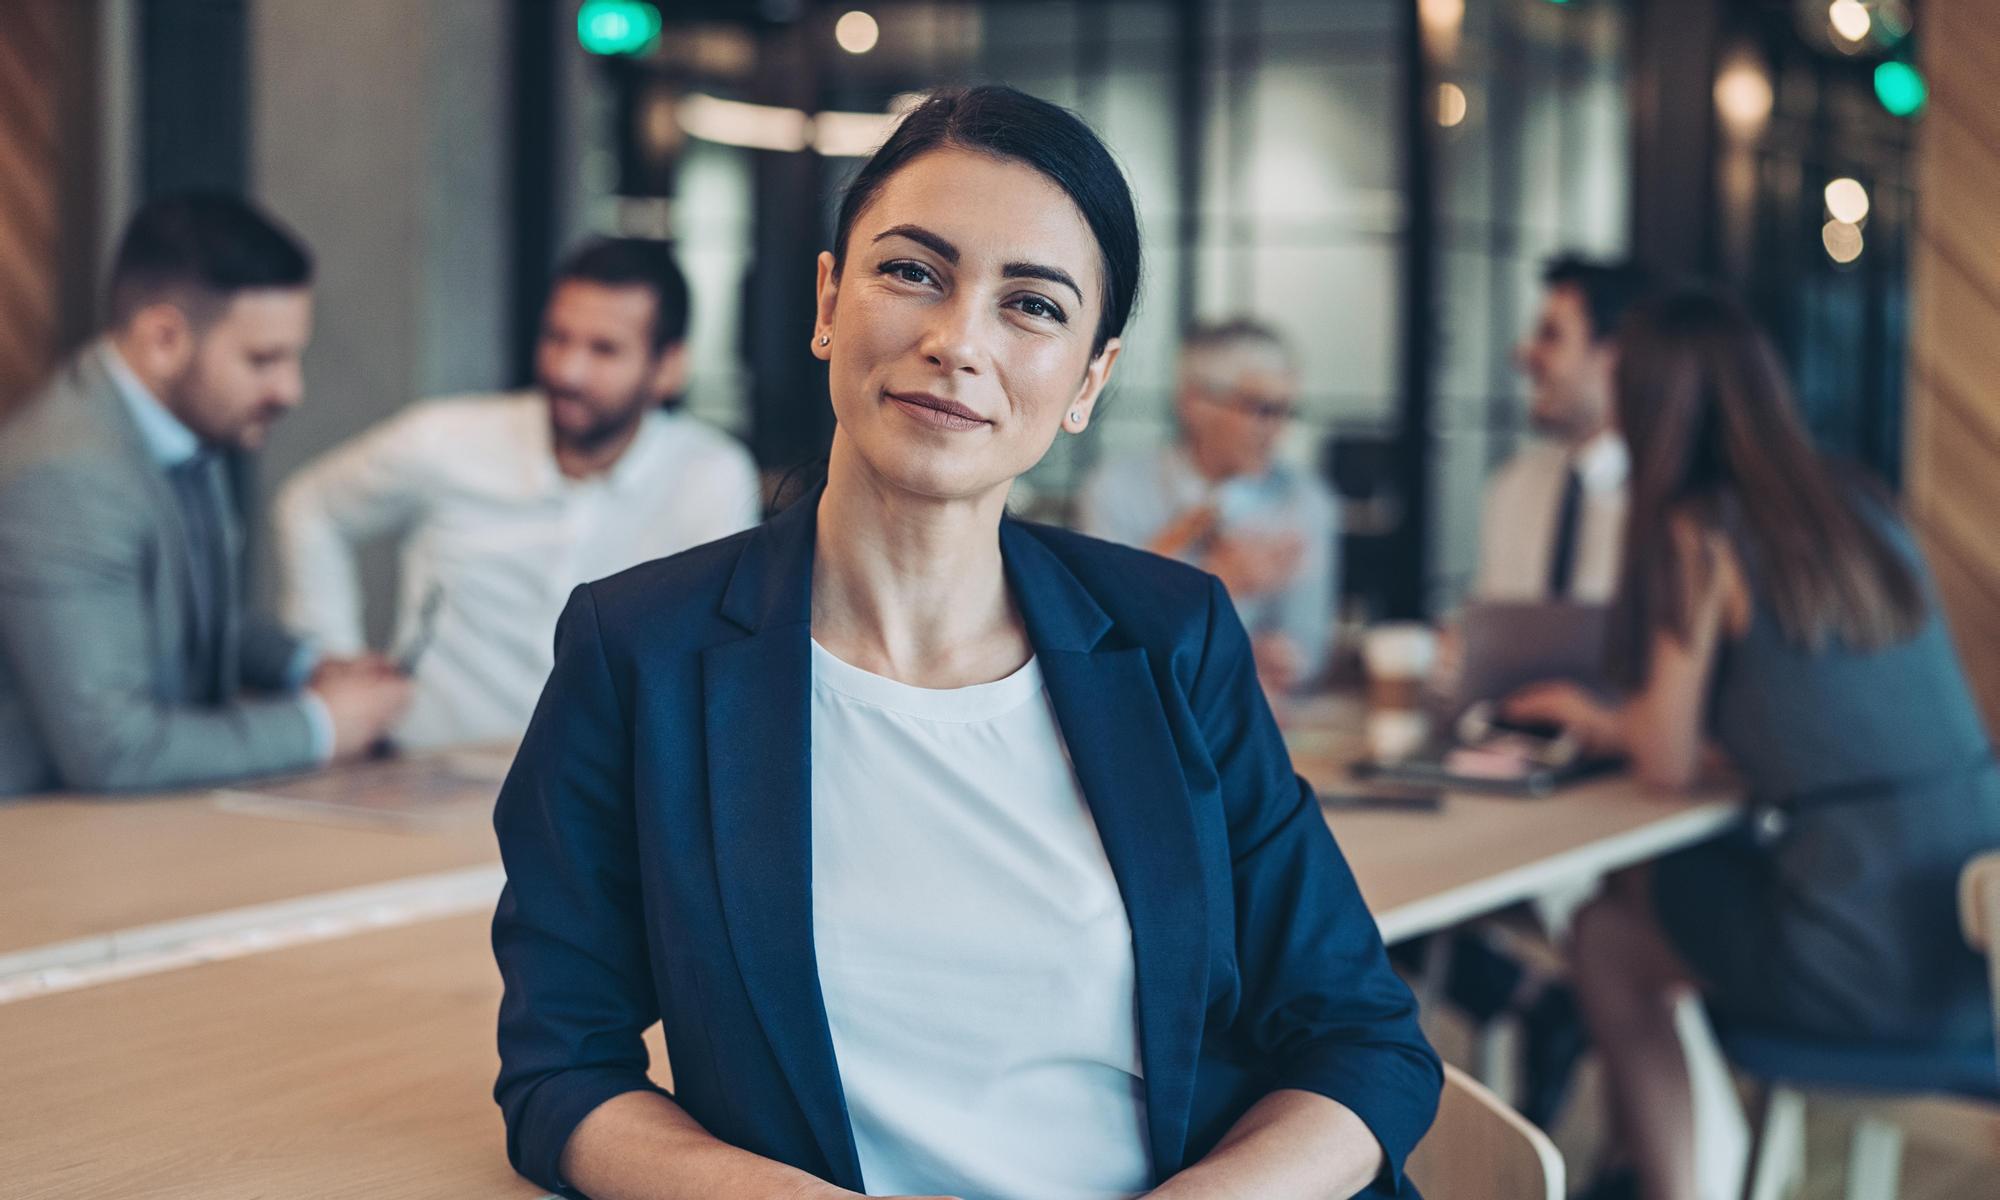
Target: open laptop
{"points": [[1505, 647], [1509, 645]]}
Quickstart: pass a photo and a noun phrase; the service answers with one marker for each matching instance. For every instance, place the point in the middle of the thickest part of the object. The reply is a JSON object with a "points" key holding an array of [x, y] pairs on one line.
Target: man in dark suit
{"points": [[127, 661]]}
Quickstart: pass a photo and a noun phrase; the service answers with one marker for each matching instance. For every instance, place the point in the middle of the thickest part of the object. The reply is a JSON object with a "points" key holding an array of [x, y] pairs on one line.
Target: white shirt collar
{"points": [[624, 472], [170, 442], [1604, 462]]}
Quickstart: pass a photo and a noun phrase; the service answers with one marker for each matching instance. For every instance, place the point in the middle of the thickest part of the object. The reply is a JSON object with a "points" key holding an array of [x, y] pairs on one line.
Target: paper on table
{"points": [[410, 795]]}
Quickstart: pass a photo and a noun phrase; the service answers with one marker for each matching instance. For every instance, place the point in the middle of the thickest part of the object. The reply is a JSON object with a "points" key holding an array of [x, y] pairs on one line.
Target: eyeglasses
{"points": [[1251, 406]]}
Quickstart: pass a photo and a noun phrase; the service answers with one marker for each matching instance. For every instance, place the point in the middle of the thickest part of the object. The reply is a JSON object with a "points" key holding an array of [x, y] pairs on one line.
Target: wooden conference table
{"points": [[1425, 871], [99, 889], [86, 883], [358, 1067], [357, 1059]]}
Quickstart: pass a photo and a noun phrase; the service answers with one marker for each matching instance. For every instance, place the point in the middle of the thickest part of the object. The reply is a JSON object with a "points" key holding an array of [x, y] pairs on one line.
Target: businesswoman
{"points": [[1782, 613], [957, 856]]}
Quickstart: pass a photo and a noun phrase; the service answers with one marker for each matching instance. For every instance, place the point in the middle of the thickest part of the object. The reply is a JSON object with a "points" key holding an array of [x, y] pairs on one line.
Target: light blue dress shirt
{"points": [[1132, 498]]}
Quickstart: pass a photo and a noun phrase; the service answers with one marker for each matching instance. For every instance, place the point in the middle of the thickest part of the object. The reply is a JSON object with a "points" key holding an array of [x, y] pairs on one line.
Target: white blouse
{"points": [[973, 948]]}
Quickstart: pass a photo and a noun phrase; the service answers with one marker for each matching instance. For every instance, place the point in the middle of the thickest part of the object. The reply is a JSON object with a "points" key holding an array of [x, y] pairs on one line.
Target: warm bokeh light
{"points": [[1847, 200], [1445, 17], [1842, 241], [1743, 96], [1850, 19], [736, 123], [1442, 21], [856, 32], [1451, 105], [852, 134]]}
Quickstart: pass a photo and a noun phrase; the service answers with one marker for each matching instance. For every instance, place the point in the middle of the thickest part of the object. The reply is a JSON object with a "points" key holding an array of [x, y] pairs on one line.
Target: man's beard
{"points": [[599, 433], [182, 396]]}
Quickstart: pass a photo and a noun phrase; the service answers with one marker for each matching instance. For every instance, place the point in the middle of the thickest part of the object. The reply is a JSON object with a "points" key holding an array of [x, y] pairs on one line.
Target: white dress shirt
{"points": [[974, 952], [1132, 498], [470, 487], [1523, 505]]}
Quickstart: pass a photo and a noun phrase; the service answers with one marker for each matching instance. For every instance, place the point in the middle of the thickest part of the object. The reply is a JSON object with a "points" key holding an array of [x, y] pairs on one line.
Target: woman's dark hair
{"points": [[1704, 406], [1011, 124]]}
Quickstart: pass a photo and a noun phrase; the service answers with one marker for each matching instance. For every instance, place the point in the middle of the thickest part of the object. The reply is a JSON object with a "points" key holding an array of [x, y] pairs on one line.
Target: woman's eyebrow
{"points": [[925, 238], [1027, 270]]}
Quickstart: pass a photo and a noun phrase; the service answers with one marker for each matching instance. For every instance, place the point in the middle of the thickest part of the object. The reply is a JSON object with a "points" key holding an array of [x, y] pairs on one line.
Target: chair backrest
{"points": [[1979, 917], [1480, 1149]]}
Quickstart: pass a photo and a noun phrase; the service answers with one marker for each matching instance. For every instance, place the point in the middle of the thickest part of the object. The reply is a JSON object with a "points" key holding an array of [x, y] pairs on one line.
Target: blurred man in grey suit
{"points": [[126, 659]]}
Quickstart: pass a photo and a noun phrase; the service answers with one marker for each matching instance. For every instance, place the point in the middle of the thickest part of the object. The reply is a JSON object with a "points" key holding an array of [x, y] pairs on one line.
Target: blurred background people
{"points": [[1385, 183], [1782, 612], [1219, 497], [1552, 528], [502, 504], [127, 659], [1554, 515]]}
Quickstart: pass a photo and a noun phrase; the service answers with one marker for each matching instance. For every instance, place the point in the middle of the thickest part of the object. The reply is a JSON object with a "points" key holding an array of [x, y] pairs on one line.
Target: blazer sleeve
{"points": [[569, 934], [274, 658], [1321, 1006]]}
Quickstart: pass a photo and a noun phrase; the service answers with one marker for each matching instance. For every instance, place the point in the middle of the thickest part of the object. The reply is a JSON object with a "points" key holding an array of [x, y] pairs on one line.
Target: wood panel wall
{"points": [[1953, 467], [29, 194], [48, 161]]}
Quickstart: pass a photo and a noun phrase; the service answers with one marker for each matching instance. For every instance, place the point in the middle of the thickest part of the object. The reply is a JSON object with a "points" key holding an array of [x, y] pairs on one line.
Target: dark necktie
{"points": [[1562, 559], [195, 491]]}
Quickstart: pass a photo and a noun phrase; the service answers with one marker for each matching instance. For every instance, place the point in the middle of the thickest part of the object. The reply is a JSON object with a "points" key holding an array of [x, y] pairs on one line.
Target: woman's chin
{"points": [[937, 475]]}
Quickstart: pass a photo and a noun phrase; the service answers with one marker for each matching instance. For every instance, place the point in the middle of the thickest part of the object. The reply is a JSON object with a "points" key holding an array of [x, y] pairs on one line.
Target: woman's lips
{"points": [[936, 411]]}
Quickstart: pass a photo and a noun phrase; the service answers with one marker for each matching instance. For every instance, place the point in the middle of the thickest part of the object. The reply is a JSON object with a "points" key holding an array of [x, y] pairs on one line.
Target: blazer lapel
{"points": [[172, 583], [1109, 709], [757, 699]]}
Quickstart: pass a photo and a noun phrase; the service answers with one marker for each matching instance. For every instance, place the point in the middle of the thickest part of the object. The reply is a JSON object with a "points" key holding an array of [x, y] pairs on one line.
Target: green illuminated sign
{"points": [[617, 26], [1901, 89]]}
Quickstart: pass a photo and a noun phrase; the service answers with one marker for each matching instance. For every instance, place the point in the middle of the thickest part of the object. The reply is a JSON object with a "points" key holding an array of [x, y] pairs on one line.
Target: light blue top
{"points": [[1130, 499]]}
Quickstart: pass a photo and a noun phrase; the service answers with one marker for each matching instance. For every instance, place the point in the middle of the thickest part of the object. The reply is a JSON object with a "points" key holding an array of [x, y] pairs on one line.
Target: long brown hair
{"points": [[1704, 406]]}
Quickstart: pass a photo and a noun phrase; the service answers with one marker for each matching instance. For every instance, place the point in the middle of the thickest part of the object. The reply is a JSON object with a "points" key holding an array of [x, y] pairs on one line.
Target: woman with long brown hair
{"points": [[1774, 609]]}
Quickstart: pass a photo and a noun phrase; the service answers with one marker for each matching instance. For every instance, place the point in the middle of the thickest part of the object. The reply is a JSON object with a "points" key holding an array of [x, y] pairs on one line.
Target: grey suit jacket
{"points": [[94, 615]]}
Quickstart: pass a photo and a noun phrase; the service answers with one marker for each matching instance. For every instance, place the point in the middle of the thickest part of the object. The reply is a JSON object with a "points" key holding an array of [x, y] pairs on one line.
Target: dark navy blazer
{"points": [[656, 830]]}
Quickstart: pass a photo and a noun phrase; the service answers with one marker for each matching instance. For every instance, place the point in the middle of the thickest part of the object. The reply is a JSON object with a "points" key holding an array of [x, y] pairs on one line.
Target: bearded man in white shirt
{"points": [[1554, 520], [501, 504]]}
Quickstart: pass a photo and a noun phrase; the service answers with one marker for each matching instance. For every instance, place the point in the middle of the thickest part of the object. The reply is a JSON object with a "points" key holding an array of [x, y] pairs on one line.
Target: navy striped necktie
{"points": [[1562, 560]]}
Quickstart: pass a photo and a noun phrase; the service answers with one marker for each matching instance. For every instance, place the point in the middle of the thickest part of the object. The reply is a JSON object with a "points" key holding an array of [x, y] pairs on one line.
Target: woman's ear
{"points": [[827, 289], [1095, 376]]}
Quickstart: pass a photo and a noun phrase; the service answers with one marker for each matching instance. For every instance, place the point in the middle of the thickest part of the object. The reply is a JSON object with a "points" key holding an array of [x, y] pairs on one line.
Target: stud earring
{"points": [[1075, 417], [824, 339]]}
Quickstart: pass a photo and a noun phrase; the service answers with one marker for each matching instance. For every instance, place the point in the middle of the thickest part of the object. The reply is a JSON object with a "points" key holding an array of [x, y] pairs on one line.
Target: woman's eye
{"points": [[1036, 306], [908, 272]]}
